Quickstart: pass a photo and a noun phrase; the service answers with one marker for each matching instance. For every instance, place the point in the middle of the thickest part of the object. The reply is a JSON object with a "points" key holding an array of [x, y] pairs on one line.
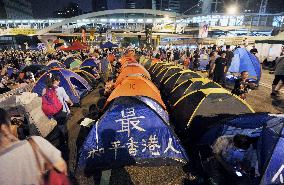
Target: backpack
{"points": [[50, 103]]}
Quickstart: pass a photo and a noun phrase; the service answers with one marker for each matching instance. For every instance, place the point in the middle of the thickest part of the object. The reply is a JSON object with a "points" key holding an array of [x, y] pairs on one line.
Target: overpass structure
{"points": [[132, 22]]}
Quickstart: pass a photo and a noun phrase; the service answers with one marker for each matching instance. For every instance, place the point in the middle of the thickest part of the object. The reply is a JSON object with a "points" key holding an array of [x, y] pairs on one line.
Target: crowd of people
{"points": [[16, 156]]}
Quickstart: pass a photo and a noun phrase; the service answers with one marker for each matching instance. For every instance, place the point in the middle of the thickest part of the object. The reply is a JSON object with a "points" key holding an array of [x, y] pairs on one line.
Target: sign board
{"points": [[203, 30]]}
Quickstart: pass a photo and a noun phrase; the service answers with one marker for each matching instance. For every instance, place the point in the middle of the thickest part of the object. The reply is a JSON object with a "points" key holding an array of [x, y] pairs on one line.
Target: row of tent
{"points": [[76, 77], [201, 112], [135, 127]]}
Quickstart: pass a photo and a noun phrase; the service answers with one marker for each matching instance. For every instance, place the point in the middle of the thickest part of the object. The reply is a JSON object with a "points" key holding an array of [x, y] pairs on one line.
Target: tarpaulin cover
{"points": [[130, 132]]}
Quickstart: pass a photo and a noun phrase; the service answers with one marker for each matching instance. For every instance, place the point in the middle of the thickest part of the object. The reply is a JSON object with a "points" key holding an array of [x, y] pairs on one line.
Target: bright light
{"points": [[233, 9], [166, 16]]}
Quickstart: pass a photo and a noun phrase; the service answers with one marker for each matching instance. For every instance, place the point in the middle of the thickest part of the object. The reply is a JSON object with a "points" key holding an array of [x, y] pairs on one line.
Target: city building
{"points": [[16, 9], [169, 5], [242, 6], [69, 11]]}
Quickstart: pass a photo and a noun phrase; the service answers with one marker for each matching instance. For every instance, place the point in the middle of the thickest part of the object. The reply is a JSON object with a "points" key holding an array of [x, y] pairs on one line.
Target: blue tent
{"points": [[89, 63], [75, 86], [248, 124], [91, 71], [270, 152], [55, 64], [243, 60], [131, 132], [109, 45]]}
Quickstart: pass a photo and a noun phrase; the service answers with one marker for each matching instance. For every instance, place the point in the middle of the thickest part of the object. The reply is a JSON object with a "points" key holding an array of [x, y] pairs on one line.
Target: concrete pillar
{"points": [[206, 6]]}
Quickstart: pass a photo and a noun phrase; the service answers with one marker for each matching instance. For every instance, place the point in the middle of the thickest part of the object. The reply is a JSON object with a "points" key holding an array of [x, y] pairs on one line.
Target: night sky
{"points": [[45, 8]]}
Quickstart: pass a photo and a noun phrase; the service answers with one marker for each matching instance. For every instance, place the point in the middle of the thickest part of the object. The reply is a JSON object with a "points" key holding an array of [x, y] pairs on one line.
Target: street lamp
{"points": [[232, 10]]}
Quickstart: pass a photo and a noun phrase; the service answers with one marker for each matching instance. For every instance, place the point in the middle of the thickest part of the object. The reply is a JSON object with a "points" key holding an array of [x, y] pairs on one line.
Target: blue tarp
{"points": [[109, 45], [74, 85], [243, 60], [130, 132]]}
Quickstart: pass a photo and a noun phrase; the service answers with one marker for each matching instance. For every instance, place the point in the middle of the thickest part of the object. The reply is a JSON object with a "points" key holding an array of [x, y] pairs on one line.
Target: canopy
{"points": [[278, 39], [130, 133], [76, 46], [136, 86], [243, 60], [75, 86], [204, 108], [132, 68], [188, 86], [109, 45]]}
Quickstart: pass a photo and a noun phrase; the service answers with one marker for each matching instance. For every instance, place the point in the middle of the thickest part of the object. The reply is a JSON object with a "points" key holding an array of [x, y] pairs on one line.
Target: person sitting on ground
{"points": [[243, 85], [18, 157], [235, 153]]}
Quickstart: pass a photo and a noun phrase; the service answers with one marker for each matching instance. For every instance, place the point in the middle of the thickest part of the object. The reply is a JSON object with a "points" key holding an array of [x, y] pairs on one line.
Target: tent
{"points": [[151, 62], [154, 66], [130, 133], [243, 60], [270, 151], [34, 68], [109, 45], [55, 64], [72, 63], [159, 69], [171, 82], [169, 71], [278, 39], [132, 68], [90, 62], [127, 59], [136, 86], [76, 46], [93, 72], [75, 86], [188, 86], [196, 111], [247, 124], [88, 77]]}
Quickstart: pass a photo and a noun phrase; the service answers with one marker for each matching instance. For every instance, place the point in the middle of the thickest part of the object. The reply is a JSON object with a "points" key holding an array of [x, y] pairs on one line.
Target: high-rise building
{"points": [[100, 5], [169, 5], [15, 9], [69, 11], [221, 6]]}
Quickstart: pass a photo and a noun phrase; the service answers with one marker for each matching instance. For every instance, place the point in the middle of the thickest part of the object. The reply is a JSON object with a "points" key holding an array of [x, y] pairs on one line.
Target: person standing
{"points": [[279, 75], [219, 68], [104, 68], [18, 159], [52, 84], [196, 62]]}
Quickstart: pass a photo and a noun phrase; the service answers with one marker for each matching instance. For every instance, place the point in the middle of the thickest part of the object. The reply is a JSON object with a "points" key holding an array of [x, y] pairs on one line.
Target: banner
{"points": [[203, 30], [108, 36], [22, 31]]}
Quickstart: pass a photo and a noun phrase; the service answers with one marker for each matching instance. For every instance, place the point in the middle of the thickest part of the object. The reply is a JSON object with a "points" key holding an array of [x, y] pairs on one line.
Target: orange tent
{"points": [[136, 86], [127, 59], [131, 69]]}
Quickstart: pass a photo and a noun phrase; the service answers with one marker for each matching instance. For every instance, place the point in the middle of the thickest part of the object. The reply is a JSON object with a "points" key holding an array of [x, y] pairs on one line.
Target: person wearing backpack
{"points": [[54, 104]]}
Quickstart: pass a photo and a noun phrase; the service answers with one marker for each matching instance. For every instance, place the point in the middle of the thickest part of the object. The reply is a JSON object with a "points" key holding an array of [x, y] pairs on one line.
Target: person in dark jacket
{"points": [[243, 85]]}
